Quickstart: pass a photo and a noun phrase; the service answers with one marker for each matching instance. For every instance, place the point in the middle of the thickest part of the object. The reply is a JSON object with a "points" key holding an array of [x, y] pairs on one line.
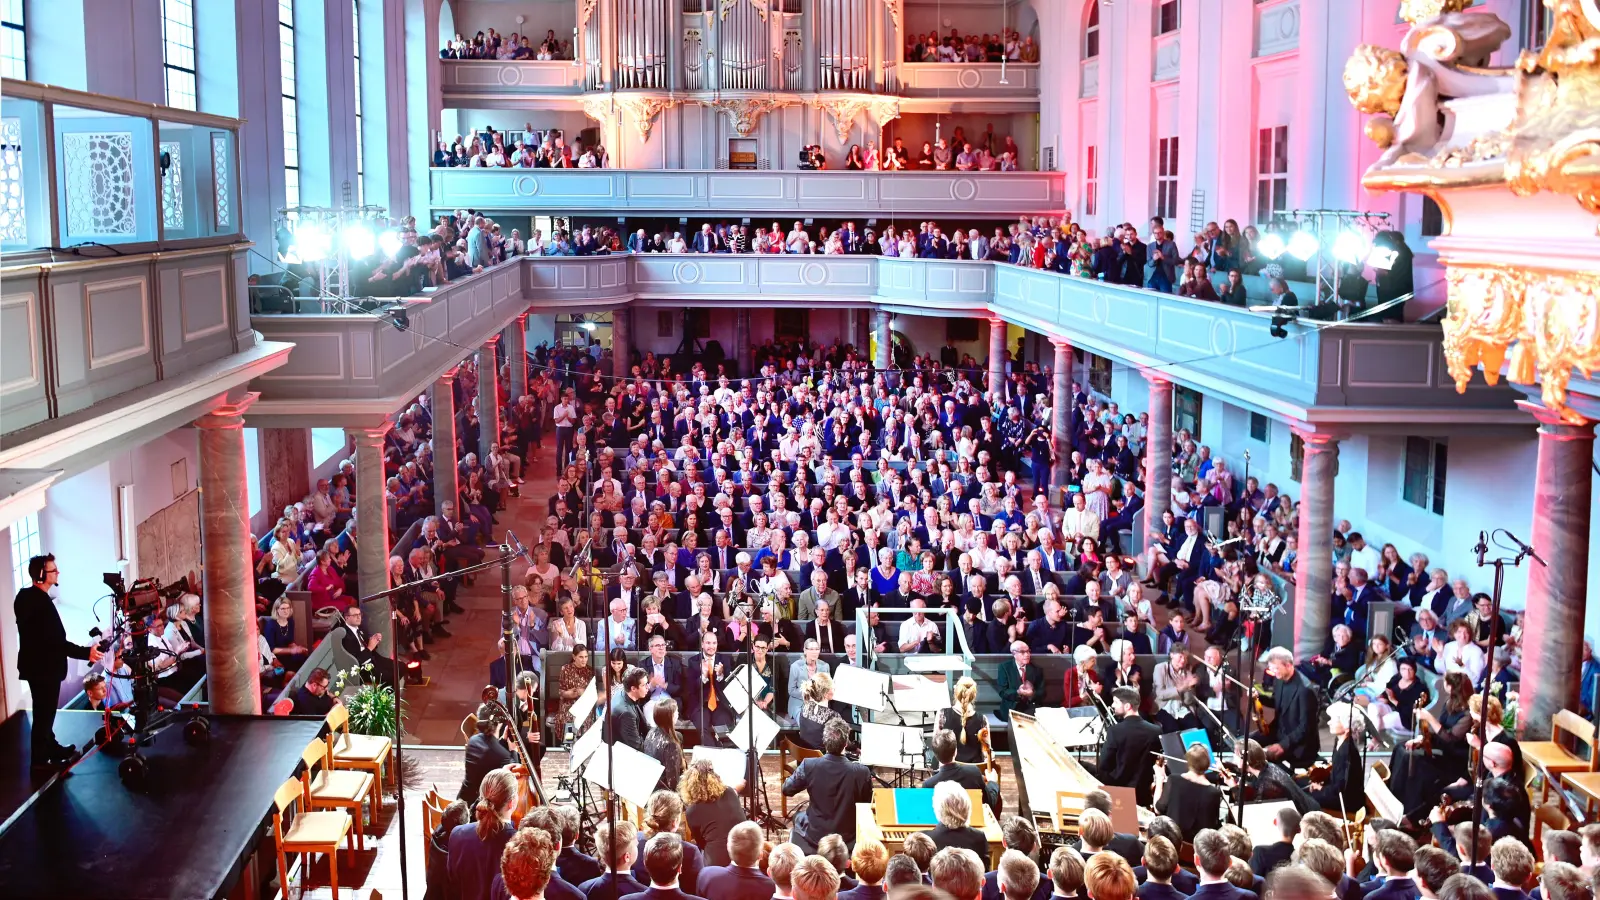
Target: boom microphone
{"points": [[1483, 546]]}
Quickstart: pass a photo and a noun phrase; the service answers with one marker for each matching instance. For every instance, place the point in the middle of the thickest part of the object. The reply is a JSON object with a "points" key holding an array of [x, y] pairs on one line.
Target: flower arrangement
{"points": [[372, 704]]}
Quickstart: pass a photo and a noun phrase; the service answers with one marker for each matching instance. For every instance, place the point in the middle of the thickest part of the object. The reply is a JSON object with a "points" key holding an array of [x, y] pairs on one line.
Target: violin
{"points": [[1453, 813], [529, 792], [1320, 772]]}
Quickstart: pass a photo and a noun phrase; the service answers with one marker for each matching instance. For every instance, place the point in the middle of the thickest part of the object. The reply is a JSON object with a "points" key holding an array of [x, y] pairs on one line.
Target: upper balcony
{"points": [[124, 297], [969, 83], [1329, 373], [490, 83], [787, 193]]}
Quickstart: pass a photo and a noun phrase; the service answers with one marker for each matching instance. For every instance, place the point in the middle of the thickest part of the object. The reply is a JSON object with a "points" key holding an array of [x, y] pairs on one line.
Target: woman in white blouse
{"points": [[1461, 654], [567, 630]]}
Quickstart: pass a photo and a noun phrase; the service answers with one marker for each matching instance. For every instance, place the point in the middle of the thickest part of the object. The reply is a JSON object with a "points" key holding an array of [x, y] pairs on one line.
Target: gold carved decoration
{"points": [[1551, 317], [844, 111], [745, 113], [600, 108], [1375, 79], [1417, 11], [894, 11], [644, 110], [585, 10], [885, 110]]}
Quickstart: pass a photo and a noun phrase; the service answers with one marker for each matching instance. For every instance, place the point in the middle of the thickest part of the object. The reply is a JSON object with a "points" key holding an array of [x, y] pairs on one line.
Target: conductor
{"points": [[835, 786], [1126, 755], [42, 653], [1295, 739]]}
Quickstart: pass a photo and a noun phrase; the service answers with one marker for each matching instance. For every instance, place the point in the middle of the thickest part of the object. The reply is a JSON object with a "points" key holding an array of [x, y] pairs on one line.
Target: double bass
{"points": [[529, 792]]}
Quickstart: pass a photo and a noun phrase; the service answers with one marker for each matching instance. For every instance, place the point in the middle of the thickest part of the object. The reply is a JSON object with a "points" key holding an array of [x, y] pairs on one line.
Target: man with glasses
{"points": [[42, 653], [313, 699]]}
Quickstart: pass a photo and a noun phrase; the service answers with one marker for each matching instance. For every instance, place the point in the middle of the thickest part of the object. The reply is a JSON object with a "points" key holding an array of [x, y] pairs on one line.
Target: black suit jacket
{"points": [[833, 642], [1267, 857], [671, 672], [1010, 680], [1297, 720], [627, 722], [734, 883], [1125, 758], [970, 778], [835, 785], [485, 753], [968, 837], [42, 645]]}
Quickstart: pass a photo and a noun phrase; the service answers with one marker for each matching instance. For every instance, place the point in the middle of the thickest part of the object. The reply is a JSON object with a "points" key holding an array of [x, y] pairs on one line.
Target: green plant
{"points": [[373, 708]]}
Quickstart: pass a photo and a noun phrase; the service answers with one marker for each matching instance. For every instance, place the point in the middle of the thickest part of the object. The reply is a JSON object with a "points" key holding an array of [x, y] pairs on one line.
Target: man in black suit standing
{"points": [[1295, 740], [486, 751], [627, 721], [1126, 756], [968, 776], [42, 653], [835, 785]]}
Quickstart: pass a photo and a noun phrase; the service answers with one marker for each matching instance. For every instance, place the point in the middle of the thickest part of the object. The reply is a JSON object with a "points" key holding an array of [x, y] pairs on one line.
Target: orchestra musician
{"points": [[835, 785], [1081, 680], [486, 751], [968, 776], [961, 718], [1421, 767], [1125, 755], [1344, 789], [1294, 738], [1266, 782]]}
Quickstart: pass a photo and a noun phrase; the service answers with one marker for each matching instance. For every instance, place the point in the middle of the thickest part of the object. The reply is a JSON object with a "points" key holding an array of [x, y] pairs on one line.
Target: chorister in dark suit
{"points": [[1130, 750], [626, 724]]}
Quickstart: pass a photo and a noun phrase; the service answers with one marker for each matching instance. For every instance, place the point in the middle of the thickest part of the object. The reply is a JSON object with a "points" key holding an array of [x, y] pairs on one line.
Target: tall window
{"points": [[1188, 407], [24, 544], [1272, 172], [177, 51], [291, 112], [1091, 182], [361, 167], [1167, 178], [1425, 466], [1167, 16], [13, 40], [1091, 31], [252, 468], [1536, 21]]}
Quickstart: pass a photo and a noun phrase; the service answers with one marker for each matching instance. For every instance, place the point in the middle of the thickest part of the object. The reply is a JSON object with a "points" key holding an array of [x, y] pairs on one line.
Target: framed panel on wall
{"points": [[791, 324], [958, 330]]}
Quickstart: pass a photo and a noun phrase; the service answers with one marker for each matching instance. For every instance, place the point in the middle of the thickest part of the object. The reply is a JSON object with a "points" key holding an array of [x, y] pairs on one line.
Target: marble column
{"points": [[443, 402], [1552, 643], [997, 356], [372, 519], [1158, 449], [621, 342], [883, 335], [1061, 412], [745, 354], [1313, 569], [517, 356], [233, 675], [488, 400]]}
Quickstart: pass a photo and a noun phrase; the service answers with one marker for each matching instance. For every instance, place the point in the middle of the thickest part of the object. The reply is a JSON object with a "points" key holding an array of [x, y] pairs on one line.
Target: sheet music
{"points": [[586, 744], [585, 704], [766, 730], [919, 693], [860, 687], [1382, 798], [727, 763], [891, 746], [734, 689], [1066, 729], [637, 773], [936, 662], [1260, 819]]}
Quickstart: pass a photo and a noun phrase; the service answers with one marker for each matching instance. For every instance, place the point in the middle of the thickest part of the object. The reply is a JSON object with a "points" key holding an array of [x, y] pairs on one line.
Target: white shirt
{"points": [[1187, 546], [1459, 657], [913, 631], [565, 414], [1366, 558]]}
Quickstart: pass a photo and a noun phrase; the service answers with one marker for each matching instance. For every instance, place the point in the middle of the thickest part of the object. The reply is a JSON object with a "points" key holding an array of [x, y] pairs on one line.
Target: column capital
{"points": [[1061, 344], [1317, 440], [997, 321], [1156, 377], [490, 341], [522, 317], [370, 435], [448, 376], [228, 413], [1553, 424]]}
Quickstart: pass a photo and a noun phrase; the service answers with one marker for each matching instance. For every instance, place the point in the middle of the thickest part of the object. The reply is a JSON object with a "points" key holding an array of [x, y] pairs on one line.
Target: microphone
{"points": [[1526, 550], [516, 547], [1483, 546]]}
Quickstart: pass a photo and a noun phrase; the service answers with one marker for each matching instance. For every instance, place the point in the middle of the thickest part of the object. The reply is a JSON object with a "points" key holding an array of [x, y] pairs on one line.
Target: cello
{"points": [[529, 792]]}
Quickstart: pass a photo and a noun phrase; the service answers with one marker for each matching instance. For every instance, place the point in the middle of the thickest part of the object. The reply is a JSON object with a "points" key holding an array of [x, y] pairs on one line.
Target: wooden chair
{"points": [[789, 751], [433, 806], [308, 832], [1552, 759], [1587, 786], [1549, 815], [329, 788], [364, 752]]}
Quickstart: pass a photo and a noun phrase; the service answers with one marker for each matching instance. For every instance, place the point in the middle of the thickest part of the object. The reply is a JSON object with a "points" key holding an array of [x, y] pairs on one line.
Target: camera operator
{"points": [[42, 653]]}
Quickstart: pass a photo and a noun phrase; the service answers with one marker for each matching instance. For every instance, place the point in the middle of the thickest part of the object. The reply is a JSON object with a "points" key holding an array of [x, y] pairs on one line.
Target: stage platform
{"points": [[189, 834]]}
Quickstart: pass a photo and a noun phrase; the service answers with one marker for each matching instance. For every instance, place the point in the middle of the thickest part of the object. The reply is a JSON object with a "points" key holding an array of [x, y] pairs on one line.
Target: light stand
{"points": [[1523, 552], [1254, 615]]}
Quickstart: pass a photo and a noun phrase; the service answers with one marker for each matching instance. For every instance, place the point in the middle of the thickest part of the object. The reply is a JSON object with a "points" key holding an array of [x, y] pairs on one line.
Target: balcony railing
{"points": [[84, 169], [465, 79], [1320, 370], [833, 192], [969, 81]]}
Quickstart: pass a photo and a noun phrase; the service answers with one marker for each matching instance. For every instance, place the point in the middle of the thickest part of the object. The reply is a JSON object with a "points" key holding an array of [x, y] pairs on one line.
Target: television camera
{"points": [[137, 726]]}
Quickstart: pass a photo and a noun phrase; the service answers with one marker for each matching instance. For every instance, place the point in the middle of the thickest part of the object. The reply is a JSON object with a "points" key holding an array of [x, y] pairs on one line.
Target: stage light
{"points": [[1382, 258], [1303, 244], [359, 241], [389, 241], [1350, 247], [589, 326], [414, 671], [312, 243], [1271, 245]]}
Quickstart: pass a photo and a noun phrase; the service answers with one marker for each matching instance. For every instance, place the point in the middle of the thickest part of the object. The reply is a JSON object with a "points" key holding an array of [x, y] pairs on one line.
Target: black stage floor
{"points": [[187, 835]]}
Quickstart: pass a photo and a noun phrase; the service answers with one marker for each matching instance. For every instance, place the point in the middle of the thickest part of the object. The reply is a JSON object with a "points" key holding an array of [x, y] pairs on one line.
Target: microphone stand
{"points": [[1482, 731]]}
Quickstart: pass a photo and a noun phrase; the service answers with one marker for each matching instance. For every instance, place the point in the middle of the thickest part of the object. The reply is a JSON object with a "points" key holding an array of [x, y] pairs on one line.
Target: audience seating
{"points": [[363, 752], [1552, 759], [309, 832]]}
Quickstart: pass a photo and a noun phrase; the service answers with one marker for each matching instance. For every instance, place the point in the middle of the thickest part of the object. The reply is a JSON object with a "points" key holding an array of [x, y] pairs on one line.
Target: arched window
{"points": [[1091, 31]]}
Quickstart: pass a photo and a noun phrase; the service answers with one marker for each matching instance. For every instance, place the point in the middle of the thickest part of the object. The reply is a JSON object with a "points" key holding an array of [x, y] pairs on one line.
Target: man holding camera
{"points": [[42, 653]]}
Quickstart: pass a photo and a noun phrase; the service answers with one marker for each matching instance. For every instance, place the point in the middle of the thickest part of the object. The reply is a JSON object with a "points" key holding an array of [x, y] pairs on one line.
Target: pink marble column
{"points": [[1158, 449], [233, 672], [1061, 414], [997, 356], [372, 512], [517, 356], [288, 479], [1552, 651], [488, 400], [444, 440], [1313, 570], [621, 342]]}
